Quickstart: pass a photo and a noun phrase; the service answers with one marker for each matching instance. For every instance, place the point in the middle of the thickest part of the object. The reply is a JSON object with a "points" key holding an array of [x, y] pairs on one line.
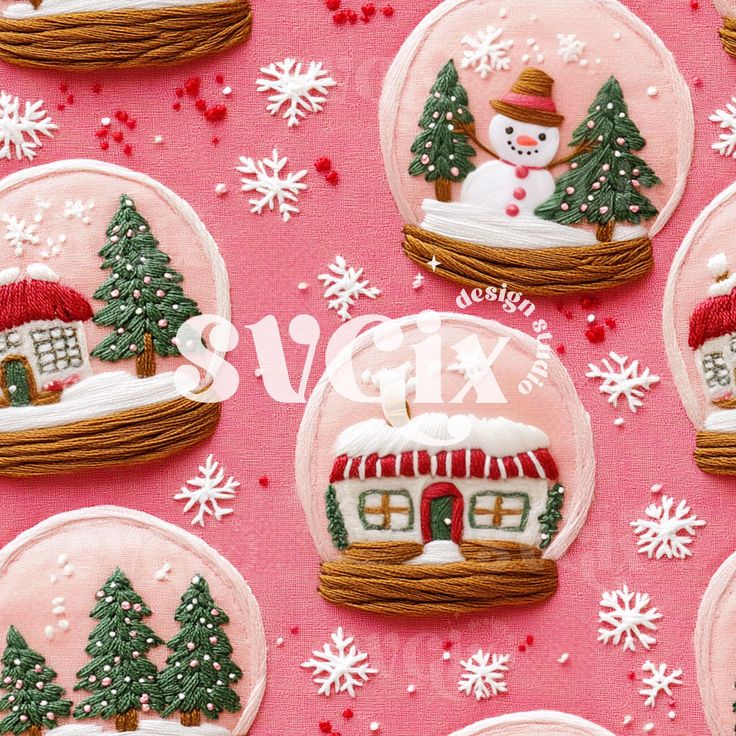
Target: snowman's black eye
{"points": [[509, 130], [542, 136]]}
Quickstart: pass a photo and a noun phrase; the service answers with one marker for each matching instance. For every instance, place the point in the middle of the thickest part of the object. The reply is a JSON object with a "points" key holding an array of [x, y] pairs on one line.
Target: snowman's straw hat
{"points": [[530, 100]]}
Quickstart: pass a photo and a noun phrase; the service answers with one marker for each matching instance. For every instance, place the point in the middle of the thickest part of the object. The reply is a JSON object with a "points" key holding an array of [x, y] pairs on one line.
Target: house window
{"points": [[9, 341], [507, 511], [386, 510], [57, 349], [716, 371]]}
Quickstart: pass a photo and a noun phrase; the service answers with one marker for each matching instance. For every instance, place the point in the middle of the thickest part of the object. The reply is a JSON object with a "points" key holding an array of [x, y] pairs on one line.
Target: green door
{"points": [[17, 382], [440, 509]]}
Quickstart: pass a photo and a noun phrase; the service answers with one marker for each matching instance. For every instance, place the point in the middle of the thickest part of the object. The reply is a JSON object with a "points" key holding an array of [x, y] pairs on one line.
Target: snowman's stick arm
{"points": [[570, 156], [469, 131]]}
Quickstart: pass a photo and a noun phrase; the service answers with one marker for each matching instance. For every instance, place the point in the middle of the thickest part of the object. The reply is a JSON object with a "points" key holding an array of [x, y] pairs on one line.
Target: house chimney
{"points": [[718, 266]]}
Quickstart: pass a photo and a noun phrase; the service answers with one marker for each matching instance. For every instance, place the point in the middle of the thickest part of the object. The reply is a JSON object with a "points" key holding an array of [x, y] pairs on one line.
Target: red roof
{"points": [[30, 300], [714, 317], [446, 464]]}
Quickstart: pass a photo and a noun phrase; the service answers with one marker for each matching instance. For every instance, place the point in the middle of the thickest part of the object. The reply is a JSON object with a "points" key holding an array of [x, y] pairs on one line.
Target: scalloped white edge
{"points": [[703, 640], [674, 355], [533, 718], [200, 548], [584, 456], [179, 205], [393, 85]]}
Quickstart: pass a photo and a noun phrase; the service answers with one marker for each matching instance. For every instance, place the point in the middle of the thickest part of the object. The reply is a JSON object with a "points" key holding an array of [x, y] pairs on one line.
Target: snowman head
{"points": [[524, 143]]}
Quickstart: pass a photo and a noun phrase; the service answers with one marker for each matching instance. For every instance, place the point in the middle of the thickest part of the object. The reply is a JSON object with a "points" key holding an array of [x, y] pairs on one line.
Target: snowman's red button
{"points": [[522, 172], [519, 193], [512, 210]]}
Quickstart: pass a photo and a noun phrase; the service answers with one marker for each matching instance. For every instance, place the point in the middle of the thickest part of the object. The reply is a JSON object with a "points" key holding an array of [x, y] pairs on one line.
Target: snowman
{"points": [[525, 138]]}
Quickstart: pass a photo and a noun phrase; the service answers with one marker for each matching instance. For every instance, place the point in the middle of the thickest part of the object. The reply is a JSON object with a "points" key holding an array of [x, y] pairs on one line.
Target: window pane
{"points": [[386, 510], [506, 511]]}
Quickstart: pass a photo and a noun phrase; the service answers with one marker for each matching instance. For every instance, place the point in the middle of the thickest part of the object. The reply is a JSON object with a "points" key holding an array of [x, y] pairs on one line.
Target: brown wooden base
{"points": [[715, 452], [126, 438], [125, 38], [535, 271], [494, 575]]}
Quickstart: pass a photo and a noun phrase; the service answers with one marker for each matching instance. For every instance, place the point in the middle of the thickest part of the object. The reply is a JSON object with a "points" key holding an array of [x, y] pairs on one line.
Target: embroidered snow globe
{"points": [[534, 723], [699, 323], [129, 641], [520, 151], [447, 485], [715, 656], [101, 267], [98, 34]]}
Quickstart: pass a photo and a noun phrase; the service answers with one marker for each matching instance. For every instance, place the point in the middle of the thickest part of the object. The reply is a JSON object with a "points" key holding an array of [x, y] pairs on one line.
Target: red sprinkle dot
{"points": [[333, 5], [447, 645], [529, 639], [568, 314], [351, 15], [697, 82], [387, 10], [294, 630], [631, 676], [177, 105], [519, 193], [596, 333], [610, 322], [219, 78], [368, 10], [333, 178], [179, 92], [340, 17], [589, 302], [215, 141], [97, 88], [131, 124], [512, 210], [323, 165], [263, 481], [70, 99], [522, 647], [101, 133], [215, 112], [560, 349], [192, 85], [104, 145], [63, 88], [127, 149], [60, 107], [347, 713], [201, 105], [117, 136], [694, 4], [325, 726], [121, 115]]}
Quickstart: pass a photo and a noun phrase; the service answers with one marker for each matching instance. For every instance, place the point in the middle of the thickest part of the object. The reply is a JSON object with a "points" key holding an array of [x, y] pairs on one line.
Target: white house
{"points": [[43, 347], [443, 480]]}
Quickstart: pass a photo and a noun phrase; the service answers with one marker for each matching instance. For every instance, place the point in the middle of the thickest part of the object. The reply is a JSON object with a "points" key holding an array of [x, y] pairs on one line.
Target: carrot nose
{"points": [[525, 140]]}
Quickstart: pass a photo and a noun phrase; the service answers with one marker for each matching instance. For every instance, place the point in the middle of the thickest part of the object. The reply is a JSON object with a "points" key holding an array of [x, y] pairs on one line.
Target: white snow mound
{"points": [[476, 225], [721, 421], [100, 395]]}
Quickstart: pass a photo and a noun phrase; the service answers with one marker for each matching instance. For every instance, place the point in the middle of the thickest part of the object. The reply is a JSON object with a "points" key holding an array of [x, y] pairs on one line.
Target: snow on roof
{"points": [[714, 317], [38, 297], [434, 433]]}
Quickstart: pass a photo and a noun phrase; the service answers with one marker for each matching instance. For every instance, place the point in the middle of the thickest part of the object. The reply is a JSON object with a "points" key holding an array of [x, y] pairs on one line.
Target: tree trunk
{"points": [[34, 731], [443, 190], [604, 233], [127, 721], [193, 718], [145, 363]]}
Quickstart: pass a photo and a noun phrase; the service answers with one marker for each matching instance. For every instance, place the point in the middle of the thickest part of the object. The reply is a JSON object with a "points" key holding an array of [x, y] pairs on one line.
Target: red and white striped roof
{"points": [[446, 464], [438, 445]]}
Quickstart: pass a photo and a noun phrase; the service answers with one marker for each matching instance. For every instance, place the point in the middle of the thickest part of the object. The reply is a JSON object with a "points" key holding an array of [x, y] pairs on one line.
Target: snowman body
{"points": [[518, 182]]}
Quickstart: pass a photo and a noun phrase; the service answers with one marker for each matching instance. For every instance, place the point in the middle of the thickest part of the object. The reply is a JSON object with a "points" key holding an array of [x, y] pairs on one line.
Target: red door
{"points": [[441, 501]]}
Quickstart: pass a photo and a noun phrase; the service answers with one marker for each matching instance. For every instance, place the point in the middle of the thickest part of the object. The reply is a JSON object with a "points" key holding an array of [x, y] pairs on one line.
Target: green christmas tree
{"points": [[549, 521], [145, 301], [200, 672], [604, 183], [121, 679], [442, 149], [31, 698], [335, 521]]}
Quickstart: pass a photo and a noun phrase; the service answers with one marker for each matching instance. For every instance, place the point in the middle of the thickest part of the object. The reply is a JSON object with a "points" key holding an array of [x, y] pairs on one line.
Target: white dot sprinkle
{"points": [[619, 422], [652, 91]]}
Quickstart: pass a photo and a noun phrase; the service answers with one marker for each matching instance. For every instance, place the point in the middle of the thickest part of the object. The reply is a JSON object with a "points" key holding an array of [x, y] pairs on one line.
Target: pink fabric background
{"points": [[267, 537]]}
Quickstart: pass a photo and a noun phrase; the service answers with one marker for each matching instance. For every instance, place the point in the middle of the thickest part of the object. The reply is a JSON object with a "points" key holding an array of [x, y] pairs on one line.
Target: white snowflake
{"points": [[630, 618], [484, 675], [620, 379], [339, 670], [76, 208], [666, 533], [301, 91], [472, 363], [345, 287], [54, 246], [659, 682], [19, 233], [268, 182], [488, 52], [206, 490], [21, 131], [571, 47], [726, 143]]}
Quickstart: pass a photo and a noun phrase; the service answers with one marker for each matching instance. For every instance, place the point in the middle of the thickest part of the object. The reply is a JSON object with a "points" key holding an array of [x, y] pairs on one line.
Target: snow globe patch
{"points": [[533, 723], [100, 268], [435, 476], [519, 151], [105, 643], [714, 653], [98, 34], [699, 322]]}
